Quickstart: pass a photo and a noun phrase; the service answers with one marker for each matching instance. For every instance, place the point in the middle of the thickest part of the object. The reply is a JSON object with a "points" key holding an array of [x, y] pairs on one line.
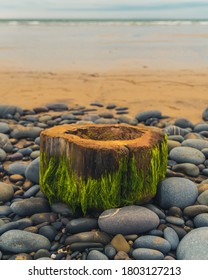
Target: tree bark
{"points": [[101, 166]]}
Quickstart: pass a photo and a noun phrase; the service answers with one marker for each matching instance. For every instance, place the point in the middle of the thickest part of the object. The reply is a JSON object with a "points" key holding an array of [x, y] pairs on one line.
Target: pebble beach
{"points": [[172, 226]]}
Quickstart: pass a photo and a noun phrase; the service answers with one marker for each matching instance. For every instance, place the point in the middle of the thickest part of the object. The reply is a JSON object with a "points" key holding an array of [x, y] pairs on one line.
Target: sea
{"points": [[103, 45]]}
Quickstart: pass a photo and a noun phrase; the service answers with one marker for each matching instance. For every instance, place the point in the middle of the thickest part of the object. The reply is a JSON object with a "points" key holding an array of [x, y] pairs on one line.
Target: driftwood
{"points": [[101, 166]]}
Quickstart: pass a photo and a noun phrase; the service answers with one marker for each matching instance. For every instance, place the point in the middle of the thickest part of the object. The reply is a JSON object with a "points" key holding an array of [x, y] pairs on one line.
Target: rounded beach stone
{"points": [[20, 241], [183, 123], [17, 168], [30, 206], [203, 198], [194, 245], [48, 231], [81, 224], [5, 210], [175, 130], [171, 236], [152, 242], [193, 210], [205, 114], [201, 220], [6, 110], [120, 244], [5, 144], [25, 132], [198, 144], [189, 169], [128, 220], [175, 220], [96, 255], [147, 254], [187, 155], [201, 127], [32, 171], [89, 236], [2, 155], [110, 251], [4, 128], [6, 192], [205, 152], [62, 208], [143, 116], [179, 192], [57, 106]]}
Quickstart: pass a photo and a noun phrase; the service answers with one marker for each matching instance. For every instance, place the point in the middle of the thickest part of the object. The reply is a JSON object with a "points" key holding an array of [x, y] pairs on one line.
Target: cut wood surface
{"points": [[101, 166]]}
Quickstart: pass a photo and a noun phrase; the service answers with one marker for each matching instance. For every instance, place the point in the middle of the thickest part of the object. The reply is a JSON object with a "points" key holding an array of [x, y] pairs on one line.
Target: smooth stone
{"points": [[81, 225], [42, 253], [205, 171], [2, 155], [20, 241], [62, 208], [6, 192], [152, 242], [174, 191], [68, 117], [31, 191], [111, 106], [45, 118], [183, 123], [5, 144], [32, 171], [82, 246], [97, 104], [110, 251], [89, 236], [5, 210], [121, 256], [122, 108], [106, 115], [175, 211], [171, 236], [179, 230], [26, 132], [16, 178], [120, 244], [177, 138], [30, 206], [189, 169], [48, 231], [203, 198], [202, 188], [19, 224], [175, 130], [201, 220], [172, 144], [96, 255], [40, 109], [6, 110], [205, 152], [143, 116], [44, 217], [201, 127], [198, 144], [187, 155], [205, 114], [4, 127], [193, 210], [34, 154], [175, 220], [194, 245], [156, 210], [57, 106], [17, 168], [156, 232], [106, 121], [14, 157], [147, 254], [21, 257], [128, 220], [128, 120]]}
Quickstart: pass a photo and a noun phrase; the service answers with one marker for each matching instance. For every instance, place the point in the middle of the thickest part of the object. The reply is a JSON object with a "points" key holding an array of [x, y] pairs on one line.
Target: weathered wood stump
{"points": [[101, 166]]}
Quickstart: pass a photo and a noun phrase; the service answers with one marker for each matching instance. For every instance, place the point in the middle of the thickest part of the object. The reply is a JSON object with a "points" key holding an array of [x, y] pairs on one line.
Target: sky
{"points": [[105, 9]]}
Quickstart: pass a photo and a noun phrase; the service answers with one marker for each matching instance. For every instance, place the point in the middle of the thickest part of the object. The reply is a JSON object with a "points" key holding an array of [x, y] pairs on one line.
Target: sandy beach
{"points": [[177, 93]]}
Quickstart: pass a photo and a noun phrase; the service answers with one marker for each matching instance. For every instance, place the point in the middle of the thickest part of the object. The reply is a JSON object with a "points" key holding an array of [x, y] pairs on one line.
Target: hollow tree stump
{"points": [[101, 166]]}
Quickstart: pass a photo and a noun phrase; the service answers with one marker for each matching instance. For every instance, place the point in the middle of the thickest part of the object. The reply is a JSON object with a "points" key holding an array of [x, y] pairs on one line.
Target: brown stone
{"points": [[121, 256], [120, 243]]}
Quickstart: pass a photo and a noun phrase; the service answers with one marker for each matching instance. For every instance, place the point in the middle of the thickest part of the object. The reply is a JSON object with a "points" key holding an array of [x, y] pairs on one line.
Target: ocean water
{"points": [[52, 45]]}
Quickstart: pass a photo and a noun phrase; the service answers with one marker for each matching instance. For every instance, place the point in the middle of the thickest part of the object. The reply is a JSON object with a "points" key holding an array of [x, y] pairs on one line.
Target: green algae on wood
{"points": [[101, 166]]}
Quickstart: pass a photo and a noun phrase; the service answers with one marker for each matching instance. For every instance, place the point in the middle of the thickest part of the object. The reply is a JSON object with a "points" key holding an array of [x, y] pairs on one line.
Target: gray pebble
{"points": [[193, 210], [198, 144], [203, 198], [175, 220], [31, 191], [189, 169], [32, 171], [26, 132], [201, 127], [17, 168], [81, 224], [152, 242], [143, 116], [147, 254], [96, 255], [171, 236], [5, 143], [6, 192], [205, 114], [110, 251], [187, 155]]}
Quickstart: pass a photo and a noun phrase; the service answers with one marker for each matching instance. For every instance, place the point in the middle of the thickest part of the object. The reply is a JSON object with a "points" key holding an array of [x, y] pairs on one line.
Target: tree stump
{"points": [[101, 166]]}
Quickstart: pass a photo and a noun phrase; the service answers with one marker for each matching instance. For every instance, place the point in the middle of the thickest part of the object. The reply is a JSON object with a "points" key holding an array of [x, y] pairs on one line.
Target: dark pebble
{"points": [[184, 123], [201, 220], [81, 224], [44, 217], [48, 231], [96, 255], [31, 191], [90, 236], [57, 107], [205, 114], [110, 251], [20, 224], [82, 246], [41, 253]]}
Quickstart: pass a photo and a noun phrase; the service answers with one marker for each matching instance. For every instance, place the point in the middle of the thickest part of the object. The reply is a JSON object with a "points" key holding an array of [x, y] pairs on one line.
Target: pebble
{"points": [[201, 127], [81, 225], [173, 144], [48, 231], [203, 198], [120, 244], [205, 152], [201, 220], [205, 114], [110, 251], [111, 106], [21, 257], [193, 210], [180, 192], [143, 116], [202, 188], [57, 106], [127, 119], [189, 169], [30, 206], [96, 255], [147, 254], [26, 132], [194, 245], [41, 253], [2, 155], [5, 144], [96, 104], [128, 220], [171, 236], [5, 211], [62, 209], [17, 168], [47, 217], [106, 121], [175, 130], [153, 242], [179, 230], [184, 123], [205, 172], [175, 220], [4, 128], [177, 138], [34, 155], [198, 144], [20, 224], [90, 236], [6, 110], [16, 177], [20, 241], [31, 191], [121, 256], [156, 210], [82, 246], [175, 211], [187, 155], [6, 192], [32, 171]]}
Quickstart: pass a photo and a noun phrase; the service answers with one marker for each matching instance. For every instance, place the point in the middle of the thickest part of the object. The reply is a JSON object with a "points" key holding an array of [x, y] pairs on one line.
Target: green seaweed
{"points": [[125, 186]]}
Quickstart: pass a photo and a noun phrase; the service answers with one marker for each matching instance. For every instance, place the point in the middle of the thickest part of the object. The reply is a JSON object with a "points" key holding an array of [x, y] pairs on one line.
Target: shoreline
{"points": [[176, 93]]}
